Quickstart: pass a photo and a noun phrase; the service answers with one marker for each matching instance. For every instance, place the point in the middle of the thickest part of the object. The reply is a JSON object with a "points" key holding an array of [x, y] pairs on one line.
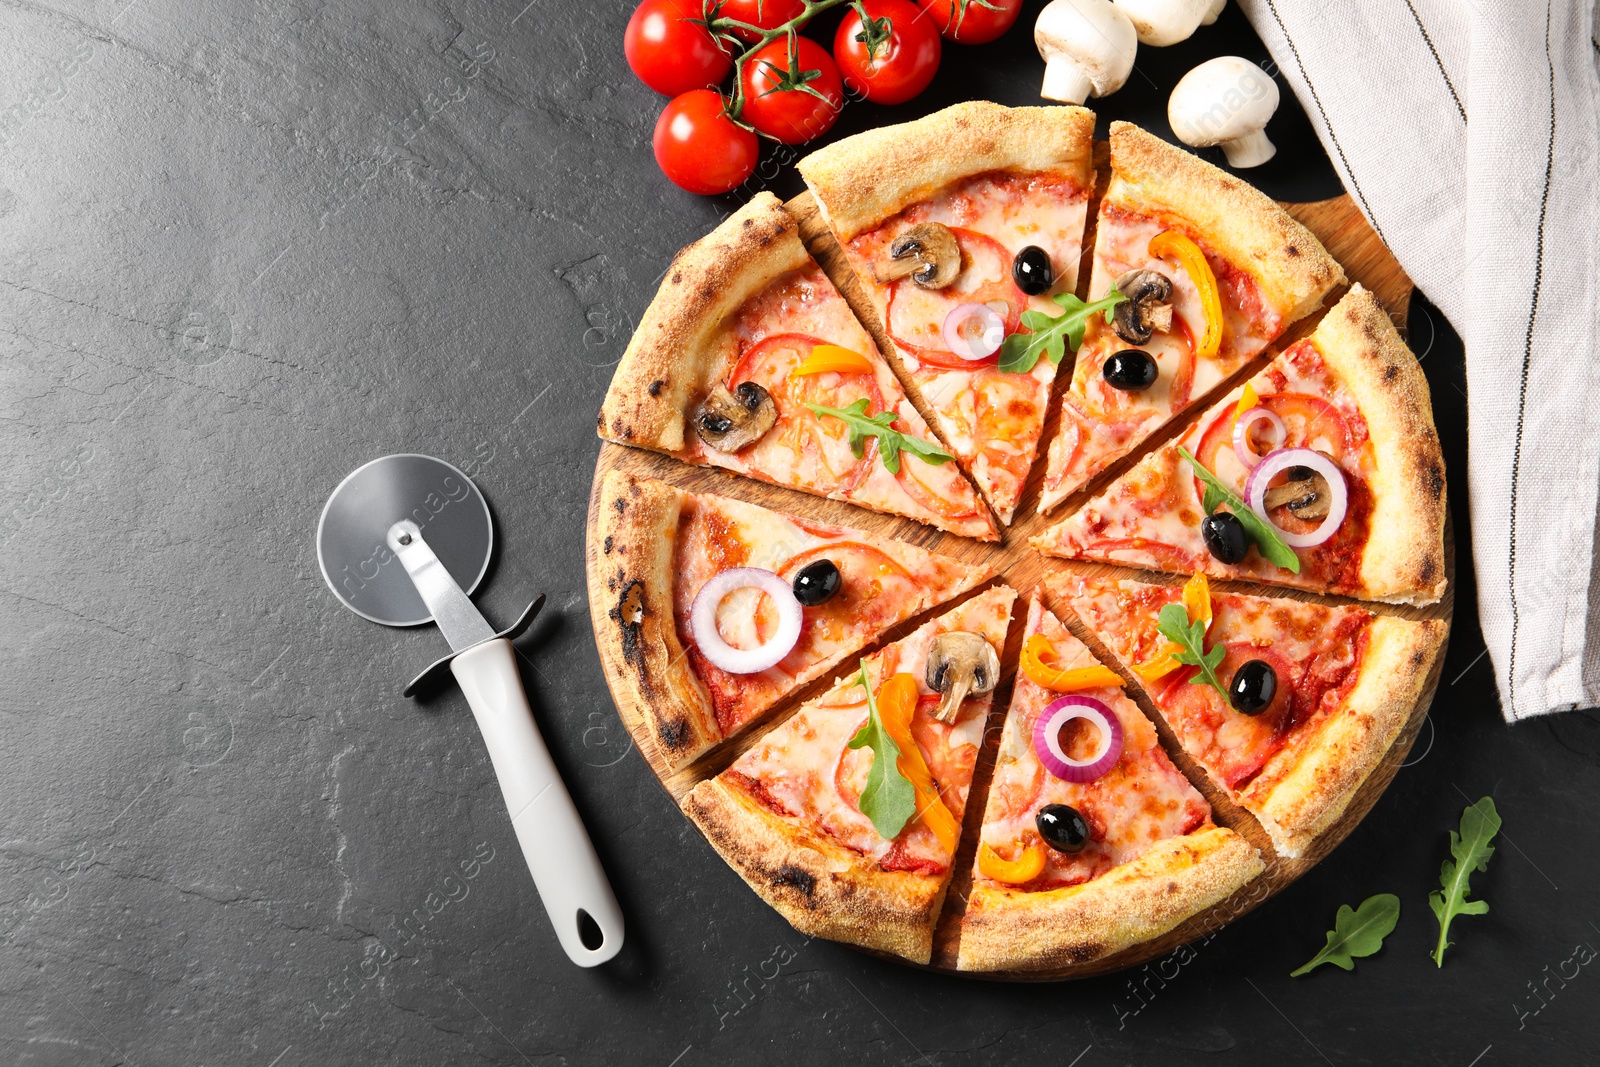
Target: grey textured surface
{"points": [[245, 248]]}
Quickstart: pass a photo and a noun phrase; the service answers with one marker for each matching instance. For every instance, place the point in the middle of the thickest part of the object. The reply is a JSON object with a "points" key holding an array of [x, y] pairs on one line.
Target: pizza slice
{"points": [[845, 846], [750, 360], [958, 225], [718, 609], [1213, 270], [1335, 436], [1287, 705], [1082, 858]]}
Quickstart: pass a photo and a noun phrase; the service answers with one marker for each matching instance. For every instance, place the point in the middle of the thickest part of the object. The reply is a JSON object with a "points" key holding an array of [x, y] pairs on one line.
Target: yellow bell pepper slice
{"points": [[1039, 663], [824, 358], [1247, 400], [1028, 865], [897, 701], [1193, 261], [1197, 600]]}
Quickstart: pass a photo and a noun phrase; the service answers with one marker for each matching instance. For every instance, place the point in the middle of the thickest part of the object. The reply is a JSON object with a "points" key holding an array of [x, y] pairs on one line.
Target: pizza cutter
{"points": [[402, 541]]}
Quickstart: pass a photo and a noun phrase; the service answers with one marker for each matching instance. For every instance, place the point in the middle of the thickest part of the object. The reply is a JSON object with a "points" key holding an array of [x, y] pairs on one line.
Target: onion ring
{"points": [[703, 620], [1275, 463], [974, 331], [1047, 738], [1241, 434]]}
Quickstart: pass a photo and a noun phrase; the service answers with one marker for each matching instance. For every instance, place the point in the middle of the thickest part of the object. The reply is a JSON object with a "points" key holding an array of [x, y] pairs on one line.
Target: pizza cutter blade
{"points": [[401, 542]]}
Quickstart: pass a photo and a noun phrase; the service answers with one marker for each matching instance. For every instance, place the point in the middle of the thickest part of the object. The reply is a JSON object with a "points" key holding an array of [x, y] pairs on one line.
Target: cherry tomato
{"points": [[671, 53], [792, 100], [897, 67], [700, 148], [970, 21], [768, 14]]}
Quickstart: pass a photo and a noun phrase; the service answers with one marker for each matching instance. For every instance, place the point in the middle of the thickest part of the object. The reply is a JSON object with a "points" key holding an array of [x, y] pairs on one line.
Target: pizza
{"points": [[1315, 694], [1074, 869], [749, 359], [787, 815], [1370, 524], [689, 677], [956, 225], [1212, 270], [817, 697]]}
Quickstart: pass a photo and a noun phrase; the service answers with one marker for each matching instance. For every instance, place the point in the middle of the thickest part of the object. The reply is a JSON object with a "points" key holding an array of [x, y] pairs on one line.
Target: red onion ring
{"points": [[703, 620], [1275, 463], [1047, 738], [1241, 434], [974, 331]]}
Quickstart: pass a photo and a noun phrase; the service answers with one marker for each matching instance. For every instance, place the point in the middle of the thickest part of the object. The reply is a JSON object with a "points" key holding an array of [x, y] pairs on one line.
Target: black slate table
{"points": [[245, 247]]}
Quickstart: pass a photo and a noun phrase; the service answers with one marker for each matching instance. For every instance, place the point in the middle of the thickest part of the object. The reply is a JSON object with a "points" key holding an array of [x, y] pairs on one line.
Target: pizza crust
{"points": [[1404, 557], [1235, 218], [822, 888], [1010, 930], [679, 343], [1304, 788], [630, 599], [862, 180]]}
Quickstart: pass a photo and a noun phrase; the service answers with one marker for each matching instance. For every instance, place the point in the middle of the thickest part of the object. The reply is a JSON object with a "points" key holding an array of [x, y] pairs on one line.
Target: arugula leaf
{"points": [[1272, 547], [1356, 933], [891, 442], [1052, 335], [888, 798], [1470, 851], [1175, 626]]}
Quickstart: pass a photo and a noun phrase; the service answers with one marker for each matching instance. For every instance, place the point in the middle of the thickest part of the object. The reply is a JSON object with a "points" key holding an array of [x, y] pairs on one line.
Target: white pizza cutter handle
{"points": [[560, 855]]}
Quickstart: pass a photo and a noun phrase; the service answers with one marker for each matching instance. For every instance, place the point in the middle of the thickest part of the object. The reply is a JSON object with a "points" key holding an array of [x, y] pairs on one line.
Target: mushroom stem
{"points": [[1064, 80], [950, 705], [896, 269], [1251, 150]]}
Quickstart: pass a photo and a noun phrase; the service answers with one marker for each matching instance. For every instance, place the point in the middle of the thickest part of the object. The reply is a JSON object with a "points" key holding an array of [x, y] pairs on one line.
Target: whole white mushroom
{"points": [[1087, 45], [1164, 22], [1226, 101]]}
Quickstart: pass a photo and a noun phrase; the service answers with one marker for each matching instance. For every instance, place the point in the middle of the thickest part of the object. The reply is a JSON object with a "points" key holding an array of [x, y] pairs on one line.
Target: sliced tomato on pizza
{"points": [[1332, 446], [822, 831], [1213, 270], [1092, 841], [1287, 705], [749, 359], [956, 225], [718, 609]]}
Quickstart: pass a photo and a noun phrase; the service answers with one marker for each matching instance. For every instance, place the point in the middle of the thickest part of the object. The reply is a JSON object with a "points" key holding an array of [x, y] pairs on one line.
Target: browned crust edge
{"points": [[1009, 930], [1243, 224], [1313, 781], [862, 180], [1404, 557], [822, 888], [673, 352], [643, 660]]}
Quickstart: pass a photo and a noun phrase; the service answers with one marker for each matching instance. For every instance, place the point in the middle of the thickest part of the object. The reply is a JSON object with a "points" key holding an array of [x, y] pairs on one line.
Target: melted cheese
{"points": [[1116, 421], [1158, 501], [1142, 800], [805, 764]]}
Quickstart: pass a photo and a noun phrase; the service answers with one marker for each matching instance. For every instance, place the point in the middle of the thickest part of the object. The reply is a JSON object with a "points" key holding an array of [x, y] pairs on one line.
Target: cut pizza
{"points": [[1211, 269], [963, 227], [1287, 705], [1092, 841], [718, 609], [749, 359], [846, 816], [1323, 471]]}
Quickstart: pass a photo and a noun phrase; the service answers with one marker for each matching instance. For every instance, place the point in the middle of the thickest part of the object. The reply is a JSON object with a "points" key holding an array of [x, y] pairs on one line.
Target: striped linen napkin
{"points": [[1497, 219]]}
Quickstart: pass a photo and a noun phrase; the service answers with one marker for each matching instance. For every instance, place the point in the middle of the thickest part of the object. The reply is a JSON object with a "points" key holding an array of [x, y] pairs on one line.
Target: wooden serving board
{"points": [[1346, 234]]}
